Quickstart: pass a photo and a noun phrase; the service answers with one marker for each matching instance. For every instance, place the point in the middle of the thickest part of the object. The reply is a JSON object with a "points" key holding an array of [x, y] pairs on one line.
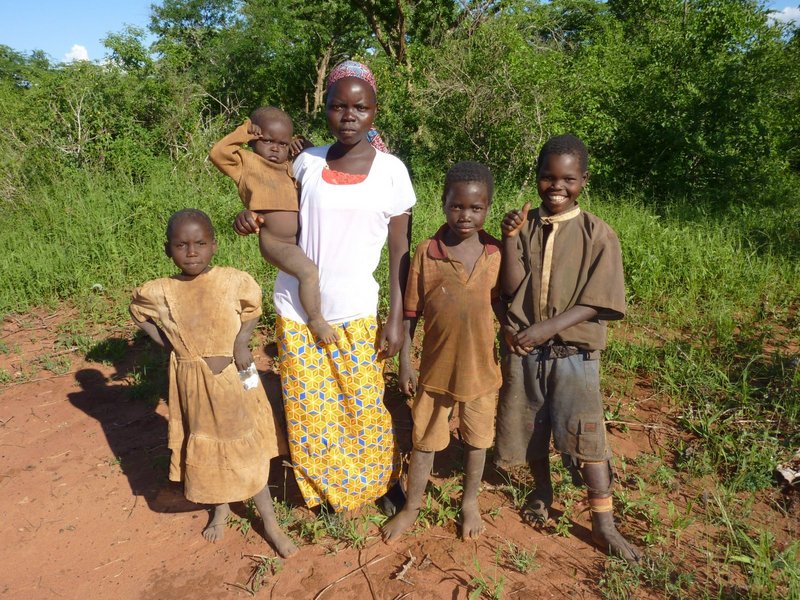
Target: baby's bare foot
{"points": [[282, 543], [322, 331], [472, 525], [399, 524], [215, 530], [607, 536]]}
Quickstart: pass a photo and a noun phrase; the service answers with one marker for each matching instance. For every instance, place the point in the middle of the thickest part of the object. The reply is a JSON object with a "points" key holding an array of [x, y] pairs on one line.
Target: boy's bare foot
{"points": [[322, 331], [399, 524], [535, 512], [606, 535], [282, 543], [215, 530], [472, 525]]}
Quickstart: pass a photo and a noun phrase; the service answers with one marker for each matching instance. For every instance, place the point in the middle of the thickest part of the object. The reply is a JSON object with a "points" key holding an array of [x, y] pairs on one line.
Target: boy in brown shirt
{"points": [[266, 186], [453, 286], [562, 267]]}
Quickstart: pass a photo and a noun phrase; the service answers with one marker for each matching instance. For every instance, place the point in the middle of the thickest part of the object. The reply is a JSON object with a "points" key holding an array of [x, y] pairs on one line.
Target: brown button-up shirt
{"points": [[458, 348], [572, 261]]}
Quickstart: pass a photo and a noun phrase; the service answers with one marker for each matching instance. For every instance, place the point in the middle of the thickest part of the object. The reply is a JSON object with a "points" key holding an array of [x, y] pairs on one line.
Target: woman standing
{"points": [[352, 197]]}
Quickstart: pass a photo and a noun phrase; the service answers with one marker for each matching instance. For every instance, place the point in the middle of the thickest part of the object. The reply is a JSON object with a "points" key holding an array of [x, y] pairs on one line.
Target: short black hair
{"points": [[564, 144], [270, 113], [190, 214], [469, 171]]}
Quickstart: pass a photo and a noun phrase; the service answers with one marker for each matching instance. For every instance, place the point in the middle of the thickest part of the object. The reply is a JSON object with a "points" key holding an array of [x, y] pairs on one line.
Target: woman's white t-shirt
{"points": [[343, 229]]}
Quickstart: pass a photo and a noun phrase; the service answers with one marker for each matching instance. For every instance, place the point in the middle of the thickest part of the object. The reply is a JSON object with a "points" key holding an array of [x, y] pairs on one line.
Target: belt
{"points": [[552, 351]]}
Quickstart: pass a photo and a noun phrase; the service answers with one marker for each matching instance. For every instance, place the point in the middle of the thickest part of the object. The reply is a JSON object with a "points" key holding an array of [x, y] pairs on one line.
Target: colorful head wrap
{"points": [[352, 68]]}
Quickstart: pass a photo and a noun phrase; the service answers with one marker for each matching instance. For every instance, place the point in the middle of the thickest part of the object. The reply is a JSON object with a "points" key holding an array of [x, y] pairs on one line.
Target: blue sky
{"points": [[67, 29]]}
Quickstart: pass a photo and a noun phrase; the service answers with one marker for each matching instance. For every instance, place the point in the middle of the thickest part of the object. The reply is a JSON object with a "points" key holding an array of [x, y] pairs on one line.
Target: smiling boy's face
{"points": [[560, 181], [191, 246]]}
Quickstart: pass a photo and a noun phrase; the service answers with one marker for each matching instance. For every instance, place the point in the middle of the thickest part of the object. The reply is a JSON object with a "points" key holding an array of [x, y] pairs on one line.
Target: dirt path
{"points": [[87, 511]]}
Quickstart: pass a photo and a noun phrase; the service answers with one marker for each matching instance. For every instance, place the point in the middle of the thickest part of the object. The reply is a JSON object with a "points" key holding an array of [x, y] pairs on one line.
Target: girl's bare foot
{"points": [[472, 525], [322, 331], [215, 530], [399, 524], [282, 543]]}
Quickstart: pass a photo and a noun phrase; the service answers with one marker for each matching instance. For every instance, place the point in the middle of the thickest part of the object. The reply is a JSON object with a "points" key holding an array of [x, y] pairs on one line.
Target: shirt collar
{"points": [[438, 249], [546, 218]]}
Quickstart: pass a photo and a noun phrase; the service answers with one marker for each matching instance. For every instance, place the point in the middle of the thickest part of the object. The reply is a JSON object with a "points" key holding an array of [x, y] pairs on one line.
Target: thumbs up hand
{"points": [[514, 220]]}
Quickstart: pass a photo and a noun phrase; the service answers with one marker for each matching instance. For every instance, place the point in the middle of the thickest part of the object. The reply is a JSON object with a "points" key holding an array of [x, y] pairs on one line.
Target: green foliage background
{"points": [[690, 109]]}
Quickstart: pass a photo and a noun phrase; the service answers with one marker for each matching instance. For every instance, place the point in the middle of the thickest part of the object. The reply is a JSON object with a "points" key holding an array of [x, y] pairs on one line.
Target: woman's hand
{"points": [[391, 338], [299, 143], [248, 222]]}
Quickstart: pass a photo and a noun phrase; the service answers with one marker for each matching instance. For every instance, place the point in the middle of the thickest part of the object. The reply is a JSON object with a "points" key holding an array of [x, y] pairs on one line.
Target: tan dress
{"points": [[221, 436]]}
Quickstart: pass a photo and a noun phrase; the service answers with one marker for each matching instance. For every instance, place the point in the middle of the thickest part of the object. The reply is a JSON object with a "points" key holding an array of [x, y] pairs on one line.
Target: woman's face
{"points": [[351, 110]]}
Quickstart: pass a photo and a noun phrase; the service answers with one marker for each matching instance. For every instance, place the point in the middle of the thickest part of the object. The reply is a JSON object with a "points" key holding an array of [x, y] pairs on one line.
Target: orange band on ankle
{"points": [[600, 505]]}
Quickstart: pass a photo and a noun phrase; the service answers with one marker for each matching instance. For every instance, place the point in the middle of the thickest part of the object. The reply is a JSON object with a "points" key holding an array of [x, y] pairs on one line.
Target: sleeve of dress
{"points": [[403, 196], [249, 297], [414, 298], [146, 301], [605, 287], [226, 153]]}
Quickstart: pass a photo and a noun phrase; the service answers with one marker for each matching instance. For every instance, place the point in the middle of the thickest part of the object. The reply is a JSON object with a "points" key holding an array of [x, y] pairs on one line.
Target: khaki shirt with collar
{"points": [[458, 348], [262, 185], [575, 259]]}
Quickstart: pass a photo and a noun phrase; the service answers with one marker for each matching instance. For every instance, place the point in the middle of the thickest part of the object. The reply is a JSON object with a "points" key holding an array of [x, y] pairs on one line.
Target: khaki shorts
{"points": [[431, 414], [543, 396]]}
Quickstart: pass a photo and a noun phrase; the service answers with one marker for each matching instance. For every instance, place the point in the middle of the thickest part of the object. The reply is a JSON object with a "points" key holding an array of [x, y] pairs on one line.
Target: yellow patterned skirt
{"points": [[340, 434]]}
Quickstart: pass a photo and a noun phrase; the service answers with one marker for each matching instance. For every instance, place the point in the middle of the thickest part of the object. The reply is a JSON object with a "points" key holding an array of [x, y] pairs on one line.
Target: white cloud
{"points": [[76, 53], [787, 15]]}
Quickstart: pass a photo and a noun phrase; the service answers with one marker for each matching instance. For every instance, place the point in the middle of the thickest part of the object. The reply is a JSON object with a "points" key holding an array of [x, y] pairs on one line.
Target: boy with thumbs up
{"points": [[562, 269]]}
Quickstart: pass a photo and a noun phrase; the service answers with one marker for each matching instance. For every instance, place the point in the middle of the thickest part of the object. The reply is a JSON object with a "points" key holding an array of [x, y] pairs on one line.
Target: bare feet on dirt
{"points": [[283, 545], [606, 535], [535, 512], [215, 530], [472, 525], [399, 524]]}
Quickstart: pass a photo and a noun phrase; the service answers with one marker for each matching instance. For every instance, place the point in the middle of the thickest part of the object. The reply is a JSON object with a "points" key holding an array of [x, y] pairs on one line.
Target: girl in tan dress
{"points": [[221, 435]]}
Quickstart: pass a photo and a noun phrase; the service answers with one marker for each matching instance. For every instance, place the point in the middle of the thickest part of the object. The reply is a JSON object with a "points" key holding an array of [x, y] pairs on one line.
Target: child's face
{"points": [[191, 247], [560, 181], [276, 136], [350, 110], [465, 206]]}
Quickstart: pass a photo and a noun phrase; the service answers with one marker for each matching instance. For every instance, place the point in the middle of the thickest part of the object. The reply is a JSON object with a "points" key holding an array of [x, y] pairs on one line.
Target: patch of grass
{"points": [[487, 586], [56, 364], [5, 376], [262, 568], [516, 489], [516, 557], [109, 351], [440, 507], [147, 381]]}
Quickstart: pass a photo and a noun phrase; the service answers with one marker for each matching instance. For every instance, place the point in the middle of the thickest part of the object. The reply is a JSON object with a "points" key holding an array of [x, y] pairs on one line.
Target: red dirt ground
{"points": [[88, 513]]}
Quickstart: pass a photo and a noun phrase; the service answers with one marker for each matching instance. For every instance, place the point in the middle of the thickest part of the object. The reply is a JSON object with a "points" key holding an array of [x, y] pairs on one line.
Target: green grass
{"points": [[713, 327]]}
